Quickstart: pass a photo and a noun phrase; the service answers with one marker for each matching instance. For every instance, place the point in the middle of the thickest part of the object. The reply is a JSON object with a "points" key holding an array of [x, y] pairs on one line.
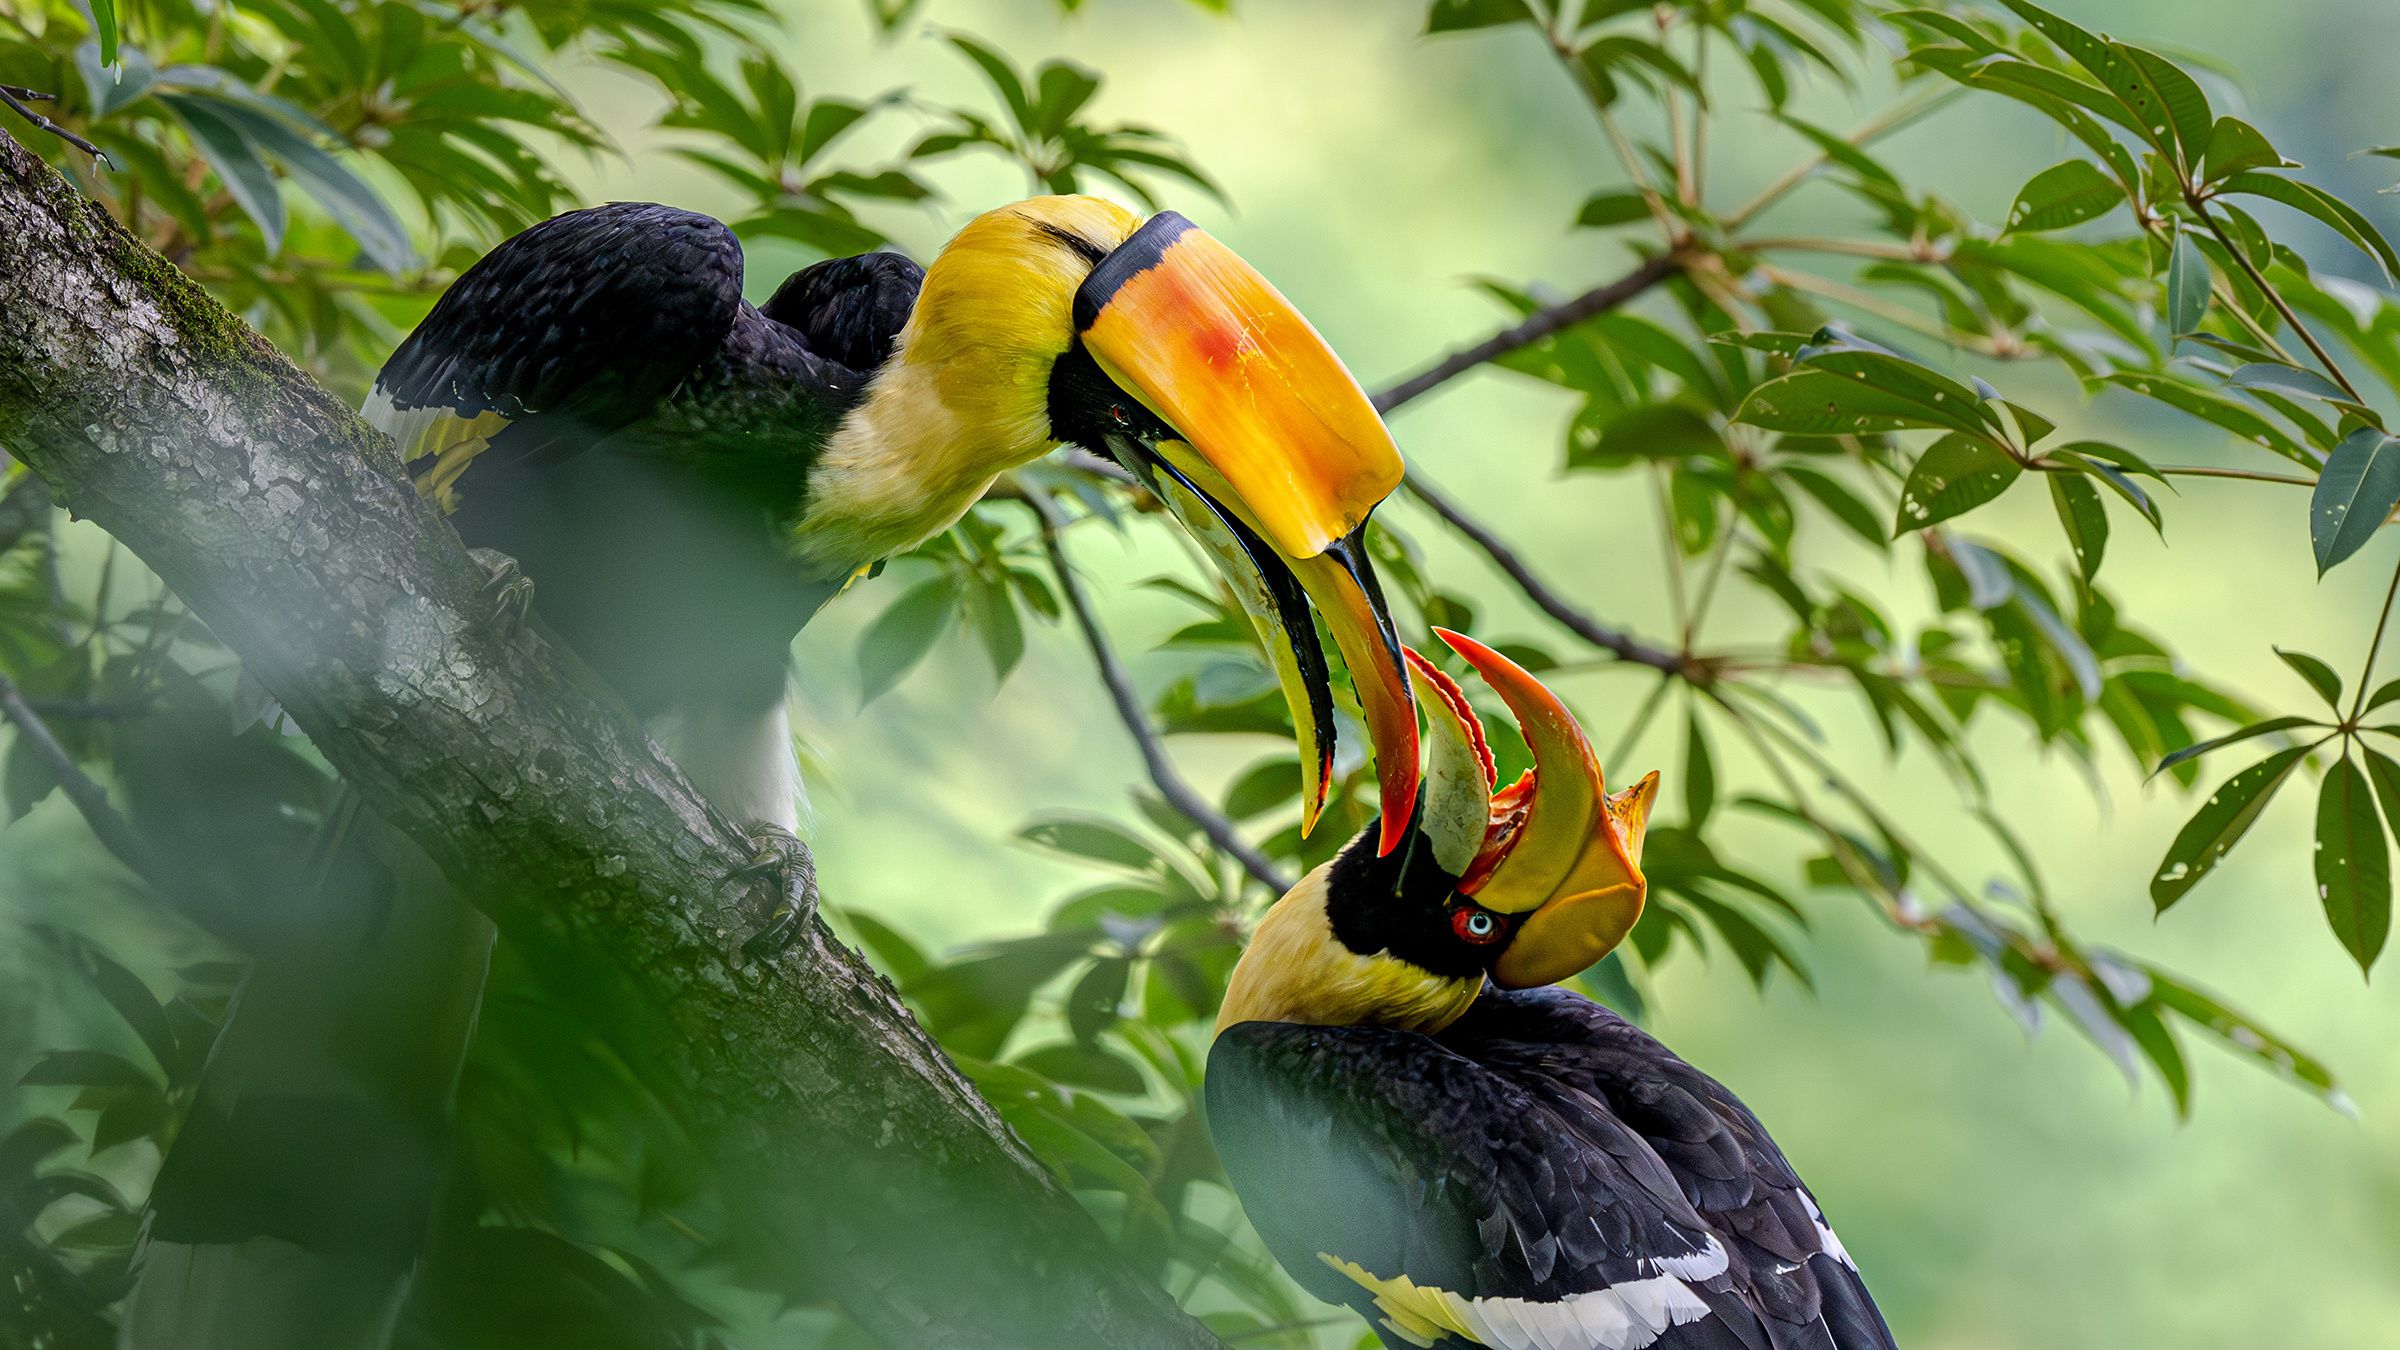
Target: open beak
{"points": [[1280, 458], [1555, 846]]}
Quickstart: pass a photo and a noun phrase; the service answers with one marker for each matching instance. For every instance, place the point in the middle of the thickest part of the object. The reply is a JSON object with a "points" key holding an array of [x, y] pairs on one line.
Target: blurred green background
{"points": [[2000, 1188]]}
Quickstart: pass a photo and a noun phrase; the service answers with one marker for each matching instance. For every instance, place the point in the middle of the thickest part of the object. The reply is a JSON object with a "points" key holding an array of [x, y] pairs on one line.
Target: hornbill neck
{"points": [[1300, 968]]}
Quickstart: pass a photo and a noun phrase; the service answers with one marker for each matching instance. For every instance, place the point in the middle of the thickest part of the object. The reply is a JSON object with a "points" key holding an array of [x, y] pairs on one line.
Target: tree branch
{"points": [[1535, 326], [289, 527], [1617, 642], [1171, 785]]}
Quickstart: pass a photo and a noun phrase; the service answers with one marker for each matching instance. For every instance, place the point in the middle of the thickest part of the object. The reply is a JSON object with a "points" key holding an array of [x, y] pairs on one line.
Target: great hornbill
{"points": [[1421, 1130], [751, 460], [687, 478]]}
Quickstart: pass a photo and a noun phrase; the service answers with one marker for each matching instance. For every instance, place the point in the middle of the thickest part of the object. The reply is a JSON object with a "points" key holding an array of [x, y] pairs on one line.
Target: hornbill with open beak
{"points": [[1423, 1130], [688, 477]]}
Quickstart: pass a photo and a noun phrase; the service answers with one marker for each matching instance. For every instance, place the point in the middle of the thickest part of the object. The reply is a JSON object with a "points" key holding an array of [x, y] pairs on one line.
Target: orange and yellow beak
{"points": [[1555, 846], [1276, 461]]}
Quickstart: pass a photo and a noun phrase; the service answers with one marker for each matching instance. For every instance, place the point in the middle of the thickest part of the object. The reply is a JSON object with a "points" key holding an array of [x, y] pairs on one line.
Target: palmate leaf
{"points": [[2219, 824], [2320, 676], [2353, 864], [2355, 493], [1458, 16], [2267, 728]]}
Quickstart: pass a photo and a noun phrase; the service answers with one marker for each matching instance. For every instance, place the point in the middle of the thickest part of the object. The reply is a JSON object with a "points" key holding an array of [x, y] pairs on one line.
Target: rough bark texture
{"points": [[285, 522]]}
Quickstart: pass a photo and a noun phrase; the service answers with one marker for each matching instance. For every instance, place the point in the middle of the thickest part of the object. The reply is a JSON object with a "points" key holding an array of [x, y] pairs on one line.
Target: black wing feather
{"points": [[1538, 1149], [850, 310], [577, 326]]}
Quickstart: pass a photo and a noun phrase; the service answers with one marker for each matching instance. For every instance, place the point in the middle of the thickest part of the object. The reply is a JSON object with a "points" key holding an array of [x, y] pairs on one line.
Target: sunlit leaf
{"points": [[2064, 194], [2355, 493], [2219, 824], [1955, 474], [2320, 676]]}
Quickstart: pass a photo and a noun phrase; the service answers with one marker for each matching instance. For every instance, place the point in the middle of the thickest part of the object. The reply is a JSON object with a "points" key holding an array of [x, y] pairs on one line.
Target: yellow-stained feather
{"points": [[452, 443], [438, 439], [1418, 1314]]}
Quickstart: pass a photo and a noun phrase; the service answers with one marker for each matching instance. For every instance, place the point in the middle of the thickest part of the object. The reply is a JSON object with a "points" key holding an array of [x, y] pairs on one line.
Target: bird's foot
{"points": [[16, 97], [779, 859], [507, 587]]}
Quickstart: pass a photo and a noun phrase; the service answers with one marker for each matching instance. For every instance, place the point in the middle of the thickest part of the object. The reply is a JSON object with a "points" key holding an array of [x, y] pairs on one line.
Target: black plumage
{"points": [[1538, 1148], [659, 433]]}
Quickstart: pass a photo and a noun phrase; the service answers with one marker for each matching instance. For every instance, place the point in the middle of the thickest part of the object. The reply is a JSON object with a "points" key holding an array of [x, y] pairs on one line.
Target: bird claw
{"points": [[507, 587], [778, 856]]}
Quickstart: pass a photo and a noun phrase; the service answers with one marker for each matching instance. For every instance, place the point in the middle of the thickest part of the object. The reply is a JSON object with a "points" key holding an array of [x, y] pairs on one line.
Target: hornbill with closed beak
{"points": [[688, 478], [1423, 1130]]}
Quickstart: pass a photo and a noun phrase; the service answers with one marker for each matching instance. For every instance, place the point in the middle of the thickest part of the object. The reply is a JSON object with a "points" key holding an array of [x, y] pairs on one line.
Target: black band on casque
{"points": [[1139, 253]]}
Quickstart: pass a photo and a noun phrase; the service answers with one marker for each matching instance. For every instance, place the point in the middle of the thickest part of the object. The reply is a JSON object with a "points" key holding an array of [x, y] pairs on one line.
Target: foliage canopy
{"points": [[325, 166]]}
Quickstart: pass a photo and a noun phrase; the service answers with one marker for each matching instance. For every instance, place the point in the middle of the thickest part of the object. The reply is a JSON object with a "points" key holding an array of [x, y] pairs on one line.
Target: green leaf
{"points": [[2384, 693], [1651, 431], [1061, 88], [2384, 773], [2064, 194], [1844, 505], [2114, 67], [1000, 75], [2355, 494], [2245, 1036], [1604, 209], [134, 1002], [2209, 405], [1092, 838], [2320, 676], [2219, 824], [1093, 1003], [1262, 787], [2266, 728], [1955, 474], [2187, 287], [1458, 16], [2289, 379], [2116, 480], [85, 1068], [1699, 776], [2354, 865], [2234, 146], [2326, 208], [238, 165], [2188, 115], [2086, 521], [902, 635], [104, 28], [1815, 402]]}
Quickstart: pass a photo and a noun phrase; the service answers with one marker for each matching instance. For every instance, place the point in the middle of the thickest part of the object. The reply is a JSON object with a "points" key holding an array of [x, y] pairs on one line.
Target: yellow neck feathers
{"points": [[965, 396], [1296, 970]]}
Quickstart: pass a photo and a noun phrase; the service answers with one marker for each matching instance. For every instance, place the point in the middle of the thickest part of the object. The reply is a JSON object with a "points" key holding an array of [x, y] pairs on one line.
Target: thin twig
{"points": [[1866, 133], [1535, 326], [1163, 775], [15, 97], [1623, 645], [114, 832], [2358, 703]]}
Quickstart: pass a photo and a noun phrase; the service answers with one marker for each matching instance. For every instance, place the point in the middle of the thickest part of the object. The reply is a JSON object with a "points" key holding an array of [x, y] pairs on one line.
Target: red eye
{"points": [[1474, 925]]}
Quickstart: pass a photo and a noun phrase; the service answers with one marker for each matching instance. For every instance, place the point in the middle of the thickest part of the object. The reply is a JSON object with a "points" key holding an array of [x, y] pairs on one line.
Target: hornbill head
{"points": [[1071, 319], [1524, 885]]}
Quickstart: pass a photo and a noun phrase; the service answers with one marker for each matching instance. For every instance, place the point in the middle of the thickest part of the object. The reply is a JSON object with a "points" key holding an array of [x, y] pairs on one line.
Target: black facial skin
{"points": [[1407, 904]]}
